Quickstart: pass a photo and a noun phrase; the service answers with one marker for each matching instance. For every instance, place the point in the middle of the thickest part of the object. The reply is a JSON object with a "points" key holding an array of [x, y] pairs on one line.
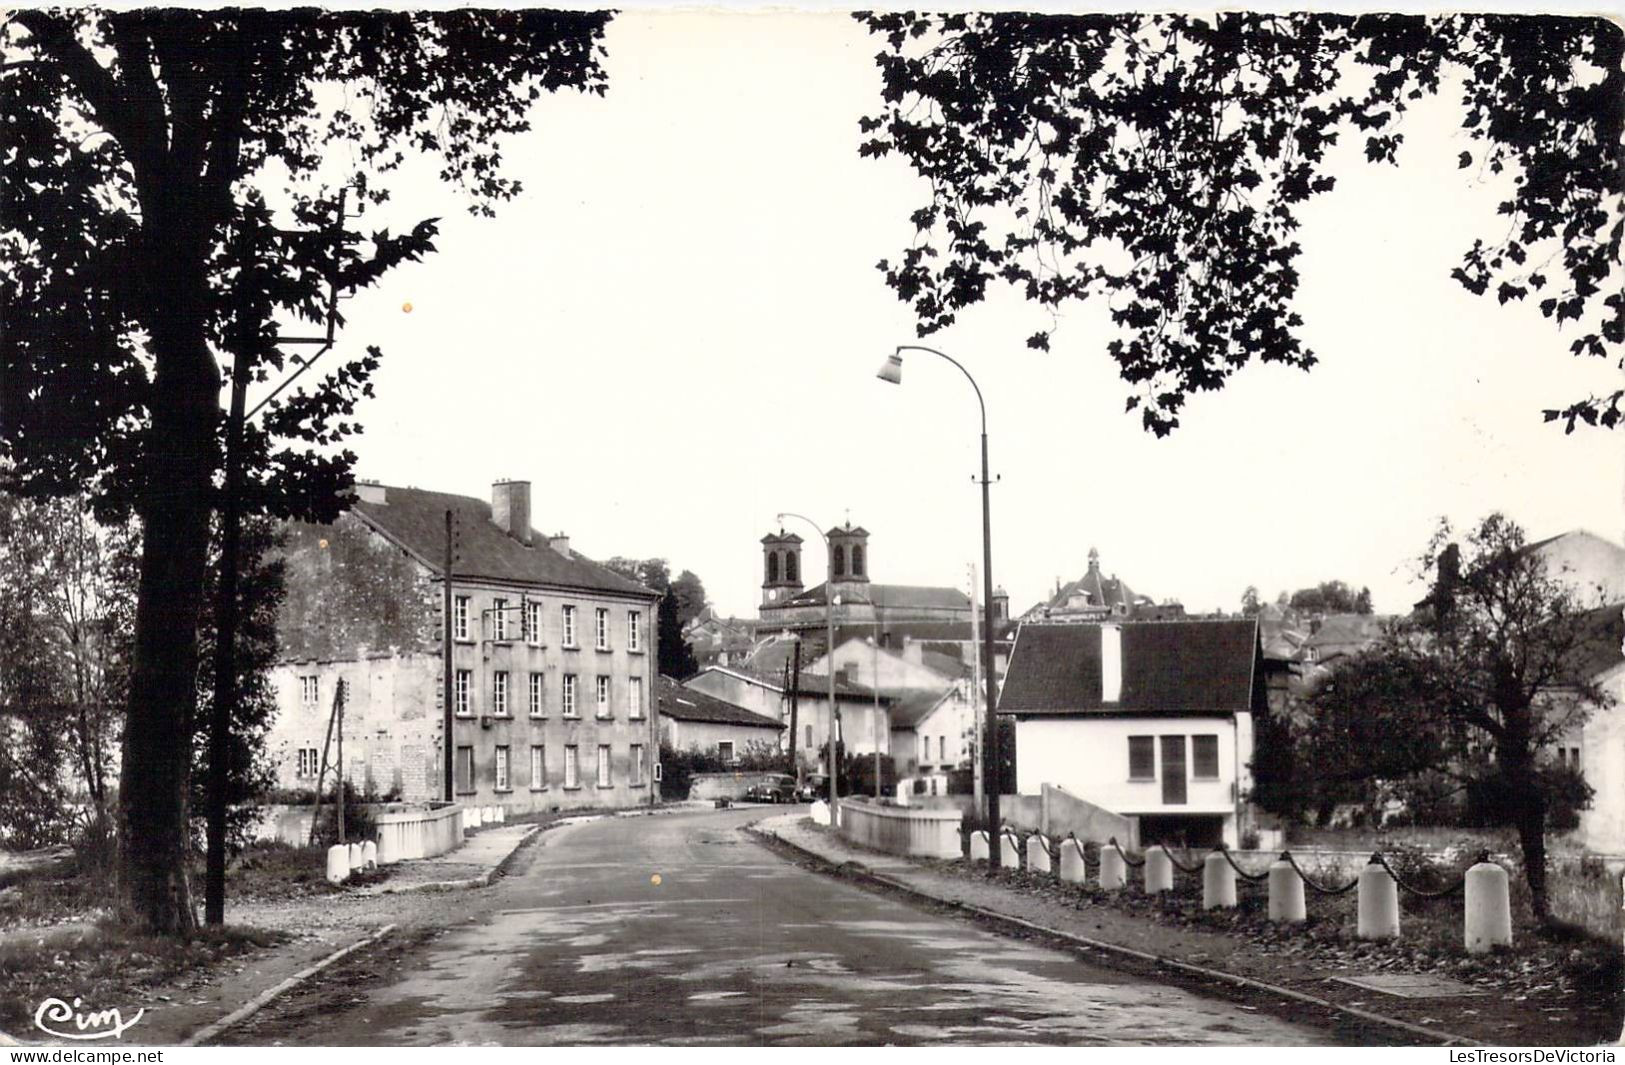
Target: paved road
{"points": [[679, 929]]}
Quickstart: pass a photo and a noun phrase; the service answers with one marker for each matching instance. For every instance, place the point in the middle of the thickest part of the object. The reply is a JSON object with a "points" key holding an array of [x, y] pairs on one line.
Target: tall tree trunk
{"points": [[1517, 757], [175, 507]]}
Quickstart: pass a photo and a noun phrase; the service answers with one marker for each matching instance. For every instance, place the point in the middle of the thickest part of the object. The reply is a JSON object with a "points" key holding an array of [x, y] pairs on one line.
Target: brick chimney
{"points": [[510, 509]]}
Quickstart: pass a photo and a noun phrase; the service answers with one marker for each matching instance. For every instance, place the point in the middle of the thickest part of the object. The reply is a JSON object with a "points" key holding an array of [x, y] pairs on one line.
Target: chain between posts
{"points": [[1130, 862], [1253, 878], [1177, 864], [1286, 856], [1419, 892]]}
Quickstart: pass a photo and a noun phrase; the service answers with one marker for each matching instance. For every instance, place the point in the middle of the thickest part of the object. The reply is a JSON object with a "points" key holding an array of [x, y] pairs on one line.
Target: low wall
{"points": [[1064, 812], [709, 786], [902, 829], [419, 832]]}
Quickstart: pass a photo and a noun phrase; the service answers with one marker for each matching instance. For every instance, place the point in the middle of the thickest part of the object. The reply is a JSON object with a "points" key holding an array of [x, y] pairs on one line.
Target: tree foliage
{"points": [[1479, 686], [1331, 597], [1161, 162], [690, 593], [141, 245]]}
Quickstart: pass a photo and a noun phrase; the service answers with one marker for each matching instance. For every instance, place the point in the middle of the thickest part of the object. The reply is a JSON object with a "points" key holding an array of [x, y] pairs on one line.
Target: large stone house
{"points": [[552, 656], [691, 720], [1146, 719]]}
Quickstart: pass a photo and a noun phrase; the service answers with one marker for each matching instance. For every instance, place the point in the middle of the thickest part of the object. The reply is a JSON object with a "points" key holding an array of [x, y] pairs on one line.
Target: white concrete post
{"points": [[502, 815], [1073, 870], [1488, 907], [1038, 853], [820, 812], [357, 862], [1378, 904], [1009, 850], [338, 863], [369, 855], [389, 844], [1218, 883], [978, 846], [1113, 870], [1159, 871], [1286, 893]]}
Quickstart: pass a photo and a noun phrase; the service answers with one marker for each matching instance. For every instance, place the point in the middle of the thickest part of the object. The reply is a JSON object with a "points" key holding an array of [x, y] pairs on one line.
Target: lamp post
{"points": [[829, 624], [892, 371]]}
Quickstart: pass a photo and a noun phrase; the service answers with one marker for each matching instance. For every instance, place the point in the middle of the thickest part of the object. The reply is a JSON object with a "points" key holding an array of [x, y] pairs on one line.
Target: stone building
{"points": [[553, 656]]}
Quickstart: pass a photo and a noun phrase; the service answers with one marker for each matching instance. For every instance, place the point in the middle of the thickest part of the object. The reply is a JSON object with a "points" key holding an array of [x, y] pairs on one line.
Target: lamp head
{"points": [[893, 369]]}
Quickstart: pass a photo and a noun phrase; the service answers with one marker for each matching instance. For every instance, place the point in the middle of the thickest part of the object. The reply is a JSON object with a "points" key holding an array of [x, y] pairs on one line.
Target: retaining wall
{"points": [[902, 830], [420, 832]]}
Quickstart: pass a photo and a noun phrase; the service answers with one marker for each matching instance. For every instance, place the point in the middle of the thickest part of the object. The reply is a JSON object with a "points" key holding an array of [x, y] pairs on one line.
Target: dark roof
{"points": [[816, 684], [916, 707], [1604, 647], [1168, 667], [415, 520], [687, 704]]}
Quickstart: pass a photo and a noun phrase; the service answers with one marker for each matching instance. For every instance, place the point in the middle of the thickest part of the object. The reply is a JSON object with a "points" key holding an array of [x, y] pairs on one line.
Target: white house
{"points": [[861, 727], [1598, 746], [693, 720], [1146, 719], [932, 732]]}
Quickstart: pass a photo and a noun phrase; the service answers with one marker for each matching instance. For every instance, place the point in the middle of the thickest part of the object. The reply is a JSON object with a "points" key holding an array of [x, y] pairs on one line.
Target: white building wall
{"points": [[1602, 760], [1585, 563], [1089, 757]]}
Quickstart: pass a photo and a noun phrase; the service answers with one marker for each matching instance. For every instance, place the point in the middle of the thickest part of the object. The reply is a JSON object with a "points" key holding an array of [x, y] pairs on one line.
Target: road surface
{"points": [[679, 929]]}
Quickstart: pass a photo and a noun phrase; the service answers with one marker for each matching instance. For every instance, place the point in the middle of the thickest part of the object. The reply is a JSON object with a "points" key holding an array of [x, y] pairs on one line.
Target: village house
{"points": [[861, 727], [691, 720], [1146, 719], [552, 656], [932, 734]]}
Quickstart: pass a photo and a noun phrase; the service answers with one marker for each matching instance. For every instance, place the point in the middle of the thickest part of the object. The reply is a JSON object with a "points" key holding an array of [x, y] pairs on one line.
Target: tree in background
{"points": [[1331, 597], [676, 656], [1161, 162], [1250, 606], [1490, 675], [139, 247], [690, 593], [67, 599]]}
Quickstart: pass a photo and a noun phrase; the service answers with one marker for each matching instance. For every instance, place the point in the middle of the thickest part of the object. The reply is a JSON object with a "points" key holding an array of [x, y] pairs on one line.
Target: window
{"points": [[465, 771], [502, 769], [1205, 757], [568, 698], [637, 763], [604, 709], [537, 706], [1142, 758], [460, 693], [538, 767], [840, 560], [603, 765], [309, 762], [533, 624], [792, 568], [601, 629], [572, 766], [725, 751], [569, 616], [925, 747], [634, 698], [857, 560], [310, 692], [634, 637], [809, 737], [499, 619], [942, 749], [499, 693], [772, 567], [459, 618]]}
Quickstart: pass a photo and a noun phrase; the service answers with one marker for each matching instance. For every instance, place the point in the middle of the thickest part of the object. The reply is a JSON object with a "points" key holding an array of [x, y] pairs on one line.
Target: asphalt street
{"points": [[679, 929]]}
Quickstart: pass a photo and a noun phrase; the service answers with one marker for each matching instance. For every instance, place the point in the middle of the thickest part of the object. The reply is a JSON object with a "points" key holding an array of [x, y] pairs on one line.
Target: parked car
{"points": [[815, 787], [773, 789]]}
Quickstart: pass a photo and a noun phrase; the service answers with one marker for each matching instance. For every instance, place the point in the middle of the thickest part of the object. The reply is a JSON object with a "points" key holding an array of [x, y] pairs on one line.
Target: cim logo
{"points": [[54, 1017]]}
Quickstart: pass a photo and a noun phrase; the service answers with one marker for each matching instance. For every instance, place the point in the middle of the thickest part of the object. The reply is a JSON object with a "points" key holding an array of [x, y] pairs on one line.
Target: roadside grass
{"points": [[106, 963]]}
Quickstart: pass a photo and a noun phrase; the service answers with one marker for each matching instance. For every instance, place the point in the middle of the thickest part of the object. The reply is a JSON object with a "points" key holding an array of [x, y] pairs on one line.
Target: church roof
{"points": [[888, 597]]}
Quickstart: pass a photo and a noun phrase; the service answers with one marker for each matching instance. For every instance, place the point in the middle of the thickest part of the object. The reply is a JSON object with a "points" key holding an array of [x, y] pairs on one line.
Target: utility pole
{"points": [[447, 715], [340, 789], [976, 685], [795, 702], [875, 684]]}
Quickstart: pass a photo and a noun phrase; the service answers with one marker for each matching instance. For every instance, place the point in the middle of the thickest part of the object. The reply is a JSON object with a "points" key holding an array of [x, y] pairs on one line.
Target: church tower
{"points": [[849, 565], [781, 567]]}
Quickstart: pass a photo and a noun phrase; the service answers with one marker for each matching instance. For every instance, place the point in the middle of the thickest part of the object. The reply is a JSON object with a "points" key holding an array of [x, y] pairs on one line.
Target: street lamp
{"points": [[829, 623], [892, 371]]}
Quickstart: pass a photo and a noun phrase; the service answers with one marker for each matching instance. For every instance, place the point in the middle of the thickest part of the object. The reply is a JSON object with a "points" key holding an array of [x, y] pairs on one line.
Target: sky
{"points": [[674, 332]]}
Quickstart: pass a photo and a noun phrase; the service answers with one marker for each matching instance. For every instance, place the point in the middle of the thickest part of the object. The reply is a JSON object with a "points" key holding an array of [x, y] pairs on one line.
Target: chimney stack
{"points": [[510, 509], [1111, 663], [370, 492], [560, 543]]}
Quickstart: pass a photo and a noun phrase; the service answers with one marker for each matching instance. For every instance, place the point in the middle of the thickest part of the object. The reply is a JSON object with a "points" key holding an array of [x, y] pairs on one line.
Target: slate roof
{"points": [[814, 684], [1344, 634], [889, 597], [916, 707], [687, 704], [415, 520], [1604, 647], [1185, 667]]}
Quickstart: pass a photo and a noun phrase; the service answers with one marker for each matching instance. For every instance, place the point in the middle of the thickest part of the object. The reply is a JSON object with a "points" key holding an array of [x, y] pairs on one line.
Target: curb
{"points": [[1440, 1038], [264, 998], [468, 883]]}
